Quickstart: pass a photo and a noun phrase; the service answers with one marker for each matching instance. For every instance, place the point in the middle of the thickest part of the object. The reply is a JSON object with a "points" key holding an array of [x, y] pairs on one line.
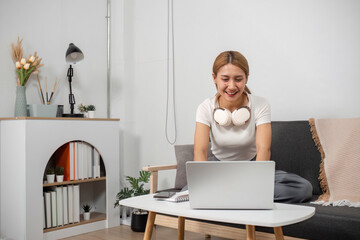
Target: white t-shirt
{"points": [[232, 142]]}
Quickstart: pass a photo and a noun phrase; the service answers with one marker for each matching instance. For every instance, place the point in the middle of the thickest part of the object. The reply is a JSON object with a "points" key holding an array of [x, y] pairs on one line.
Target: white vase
{"points": [[50, 178], [86, 216], [59, 178], [91, 114]]}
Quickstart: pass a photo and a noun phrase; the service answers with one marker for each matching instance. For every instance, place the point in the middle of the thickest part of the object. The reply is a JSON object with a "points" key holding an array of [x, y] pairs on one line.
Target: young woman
{"points": [[239, 126]]}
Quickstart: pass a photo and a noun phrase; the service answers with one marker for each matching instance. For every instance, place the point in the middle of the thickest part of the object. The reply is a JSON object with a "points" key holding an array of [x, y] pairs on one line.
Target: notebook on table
{"points": [[231, 184], [172, 196]]}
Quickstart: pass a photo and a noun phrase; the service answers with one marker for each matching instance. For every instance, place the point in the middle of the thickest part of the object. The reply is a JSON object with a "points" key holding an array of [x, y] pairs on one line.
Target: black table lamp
{"points": [[73, 55]]}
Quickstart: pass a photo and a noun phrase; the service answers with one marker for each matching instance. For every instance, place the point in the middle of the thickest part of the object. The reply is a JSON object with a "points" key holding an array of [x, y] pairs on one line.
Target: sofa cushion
{"points": [[183, 154], [294, 151], [330, 223]]}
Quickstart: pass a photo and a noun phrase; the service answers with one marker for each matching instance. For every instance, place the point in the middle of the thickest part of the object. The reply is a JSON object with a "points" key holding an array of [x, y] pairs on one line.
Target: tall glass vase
{"points": [[20, 102]]}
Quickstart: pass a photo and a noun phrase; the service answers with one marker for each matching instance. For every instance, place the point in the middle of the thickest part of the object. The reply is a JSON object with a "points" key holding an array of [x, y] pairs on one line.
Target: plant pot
{"points": [[91, 114], [86, 216], [20, 102], [138, 221], [50, 178], [59, 178]]}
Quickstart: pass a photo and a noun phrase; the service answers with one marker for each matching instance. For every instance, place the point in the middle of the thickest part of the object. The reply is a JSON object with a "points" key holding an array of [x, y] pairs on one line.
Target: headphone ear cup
{"points": [[222, 116], [240, 116]]}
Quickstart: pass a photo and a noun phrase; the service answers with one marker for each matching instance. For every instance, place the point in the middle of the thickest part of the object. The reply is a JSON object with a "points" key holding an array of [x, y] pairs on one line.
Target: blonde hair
{"points": [[235, 58]]}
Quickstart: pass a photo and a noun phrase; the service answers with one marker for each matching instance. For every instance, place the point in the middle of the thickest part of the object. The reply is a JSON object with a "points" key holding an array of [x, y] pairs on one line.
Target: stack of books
{"points": [[62, 206], [79, 159]]}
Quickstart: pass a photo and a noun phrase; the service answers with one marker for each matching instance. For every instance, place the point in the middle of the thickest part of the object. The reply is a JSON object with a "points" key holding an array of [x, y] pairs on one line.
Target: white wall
{"points": [[48, 27], [304, 58]]}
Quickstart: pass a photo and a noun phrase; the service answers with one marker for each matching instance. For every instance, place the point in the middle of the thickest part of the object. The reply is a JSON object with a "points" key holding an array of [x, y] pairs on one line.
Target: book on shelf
{"points": [[72, 161], [43, 208], [76, 159], [80, 163], [59, 206], [96, 166], [90, 156], [53, 209], [70, 203], [76, 203], [85, 159], [93, 173], [62, 156], [47, 209], [65, 204]]}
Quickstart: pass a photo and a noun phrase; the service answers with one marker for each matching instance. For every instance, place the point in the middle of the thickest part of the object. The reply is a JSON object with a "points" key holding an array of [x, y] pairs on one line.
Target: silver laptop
{"points": [[231, 184]]}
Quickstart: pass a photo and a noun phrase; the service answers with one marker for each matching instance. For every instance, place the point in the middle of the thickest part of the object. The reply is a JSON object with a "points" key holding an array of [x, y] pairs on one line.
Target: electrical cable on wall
{"points": [[170, 19]]}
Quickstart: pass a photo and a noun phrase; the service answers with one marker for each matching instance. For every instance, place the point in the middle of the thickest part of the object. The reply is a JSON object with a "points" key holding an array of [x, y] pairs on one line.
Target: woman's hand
{"points": [[201, 142]]}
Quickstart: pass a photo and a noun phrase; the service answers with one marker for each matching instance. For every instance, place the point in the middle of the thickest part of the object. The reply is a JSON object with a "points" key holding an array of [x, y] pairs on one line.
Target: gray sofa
{"points": [[294, 151]]}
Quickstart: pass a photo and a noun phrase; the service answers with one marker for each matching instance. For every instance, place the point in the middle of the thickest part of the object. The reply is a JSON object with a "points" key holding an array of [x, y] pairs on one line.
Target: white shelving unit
{"points": [[26, 146]]}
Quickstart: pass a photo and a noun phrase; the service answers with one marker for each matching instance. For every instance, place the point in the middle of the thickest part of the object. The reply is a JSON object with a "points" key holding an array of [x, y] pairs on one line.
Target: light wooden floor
{"points": [[124, 232]]}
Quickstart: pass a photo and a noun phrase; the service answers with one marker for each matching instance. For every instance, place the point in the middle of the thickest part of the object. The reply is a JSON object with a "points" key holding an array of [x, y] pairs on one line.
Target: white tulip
{"points": [[23, 61], [26, 66], [32, 59], [18, 65]]}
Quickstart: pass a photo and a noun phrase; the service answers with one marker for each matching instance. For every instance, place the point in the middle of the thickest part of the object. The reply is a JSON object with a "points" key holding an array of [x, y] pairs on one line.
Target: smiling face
{"points": [[230, 82]]}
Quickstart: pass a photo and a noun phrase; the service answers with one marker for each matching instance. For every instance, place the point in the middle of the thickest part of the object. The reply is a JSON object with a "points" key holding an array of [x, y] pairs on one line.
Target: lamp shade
{"points": [[73, 54]]}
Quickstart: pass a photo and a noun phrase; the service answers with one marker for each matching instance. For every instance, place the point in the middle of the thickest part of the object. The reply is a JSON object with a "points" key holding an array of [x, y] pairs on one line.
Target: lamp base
{"points": [[74, 115]]}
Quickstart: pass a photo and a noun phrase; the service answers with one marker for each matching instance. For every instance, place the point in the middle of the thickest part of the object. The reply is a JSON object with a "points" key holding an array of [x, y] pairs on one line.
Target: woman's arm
{"points": [[263, 142], [201, 142]]}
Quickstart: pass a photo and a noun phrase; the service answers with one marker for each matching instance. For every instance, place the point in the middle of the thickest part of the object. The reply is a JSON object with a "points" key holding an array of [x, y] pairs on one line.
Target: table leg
{"points": [[250, 232], [149, 225], [278, 233], [181, 228]]}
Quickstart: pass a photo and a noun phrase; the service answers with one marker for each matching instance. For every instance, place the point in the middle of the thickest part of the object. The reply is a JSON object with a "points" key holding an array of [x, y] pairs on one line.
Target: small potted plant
{"points": [[59, 170], [86, 207], [138, 216], [50, 175], [91, 111], [82, 109]]}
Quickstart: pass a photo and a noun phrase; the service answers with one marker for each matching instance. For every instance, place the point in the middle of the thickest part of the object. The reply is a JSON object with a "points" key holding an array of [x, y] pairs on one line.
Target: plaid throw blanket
{"points": [[338, 141]]}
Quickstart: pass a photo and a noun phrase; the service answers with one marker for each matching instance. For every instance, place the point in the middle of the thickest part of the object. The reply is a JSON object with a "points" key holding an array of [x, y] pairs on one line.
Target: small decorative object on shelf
{"points": [[24, 69], [82, 108], [86, 207], [138, 216], [59, 171], [47, 97], [91, 111], [88, 110], [50, 175]]}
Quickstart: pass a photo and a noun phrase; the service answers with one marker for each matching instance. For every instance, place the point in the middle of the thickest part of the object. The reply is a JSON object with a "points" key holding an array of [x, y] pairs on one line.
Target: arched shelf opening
{"points": [[84, 183]]}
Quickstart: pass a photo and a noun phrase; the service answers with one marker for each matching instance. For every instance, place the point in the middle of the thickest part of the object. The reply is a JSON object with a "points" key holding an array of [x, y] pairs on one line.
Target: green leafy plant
{"points": [[86, 207], [82, 108], [137, 187], [50, 171], [85, 108], [59, 170], [90, 108]]}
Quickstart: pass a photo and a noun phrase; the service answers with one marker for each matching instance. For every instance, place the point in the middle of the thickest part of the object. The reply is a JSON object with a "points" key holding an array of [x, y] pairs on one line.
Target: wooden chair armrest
{"points": [[154, 174], [159, 168]]}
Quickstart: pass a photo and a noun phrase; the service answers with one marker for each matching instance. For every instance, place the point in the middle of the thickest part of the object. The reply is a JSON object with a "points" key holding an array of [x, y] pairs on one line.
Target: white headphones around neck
{"points": [[224, 117]]}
